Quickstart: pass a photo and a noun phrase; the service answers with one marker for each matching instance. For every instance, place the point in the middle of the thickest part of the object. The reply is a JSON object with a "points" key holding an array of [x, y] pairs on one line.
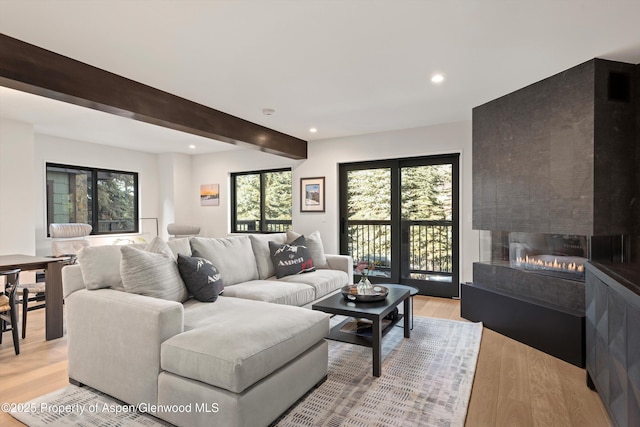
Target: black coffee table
{"points": [[373, 311]]}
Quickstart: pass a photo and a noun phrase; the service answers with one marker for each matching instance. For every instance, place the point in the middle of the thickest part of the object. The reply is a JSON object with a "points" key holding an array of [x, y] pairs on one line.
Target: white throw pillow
{"points": [[314, 244], [152, 272], [100, 266]]}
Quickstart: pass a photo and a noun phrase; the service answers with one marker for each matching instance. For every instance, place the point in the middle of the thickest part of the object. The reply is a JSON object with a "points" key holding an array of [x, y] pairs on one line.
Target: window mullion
{"points": [[263, 203], [234, 208], [94, 201]]}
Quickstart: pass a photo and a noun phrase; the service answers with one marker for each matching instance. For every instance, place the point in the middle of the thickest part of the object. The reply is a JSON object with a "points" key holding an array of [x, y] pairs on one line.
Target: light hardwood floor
{"points": [[515, 385]]}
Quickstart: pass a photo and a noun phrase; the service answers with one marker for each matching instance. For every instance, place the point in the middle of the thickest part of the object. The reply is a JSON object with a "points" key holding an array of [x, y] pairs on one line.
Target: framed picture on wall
{"points": [[209, 195], [312, 194]]}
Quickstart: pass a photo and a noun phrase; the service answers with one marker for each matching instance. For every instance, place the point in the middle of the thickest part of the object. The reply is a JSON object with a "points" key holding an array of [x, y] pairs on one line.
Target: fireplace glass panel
{"points": [[560, 255]]}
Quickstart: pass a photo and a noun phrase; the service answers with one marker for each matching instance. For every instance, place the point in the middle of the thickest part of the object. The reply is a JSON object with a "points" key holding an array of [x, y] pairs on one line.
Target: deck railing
{"points": [[273, 225], [122, 225], [429, 245]]}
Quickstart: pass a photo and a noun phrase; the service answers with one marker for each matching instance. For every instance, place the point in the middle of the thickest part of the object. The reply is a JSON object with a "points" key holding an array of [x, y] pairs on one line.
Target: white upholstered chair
{"points": [[177, 231], [67, 240]]}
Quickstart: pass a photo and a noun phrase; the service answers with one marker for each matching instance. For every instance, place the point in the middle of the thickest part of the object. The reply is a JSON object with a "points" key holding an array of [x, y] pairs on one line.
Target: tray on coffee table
{"points": [[354, 293]]}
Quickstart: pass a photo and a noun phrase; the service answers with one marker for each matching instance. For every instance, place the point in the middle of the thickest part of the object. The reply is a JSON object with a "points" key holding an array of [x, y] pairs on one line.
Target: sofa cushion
{"points": [[323, 281], [180, 247], [153, 272], [233, 257], [100, 266], [291, 258], [260, 246], [273, 291], [315, 246], [244, 342], [201, 278]]}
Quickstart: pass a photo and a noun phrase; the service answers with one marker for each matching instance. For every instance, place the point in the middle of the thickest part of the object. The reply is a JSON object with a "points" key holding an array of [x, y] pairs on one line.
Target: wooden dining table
{"points": [[53, 277]]}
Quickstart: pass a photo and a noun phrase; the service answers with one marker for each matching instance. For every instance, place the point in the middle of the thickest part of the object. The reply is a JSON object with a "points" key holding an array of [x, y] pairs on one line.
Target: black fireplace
{"points": [[530, 287], [554, 170]]}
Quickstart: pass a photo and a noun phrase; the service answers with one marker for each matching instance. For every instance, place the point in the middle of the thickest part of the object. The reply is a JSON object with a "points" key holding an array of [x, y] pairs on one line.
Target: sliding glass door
{"points": [[399, 221]]}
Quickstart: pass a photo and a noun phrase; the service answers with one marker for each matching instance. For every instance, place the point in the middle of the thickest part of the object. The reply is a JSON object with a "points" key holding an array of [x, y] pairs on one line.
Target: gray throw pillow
{"points": [[290, 259], [153, 272], [315, 246], [201, 277]]}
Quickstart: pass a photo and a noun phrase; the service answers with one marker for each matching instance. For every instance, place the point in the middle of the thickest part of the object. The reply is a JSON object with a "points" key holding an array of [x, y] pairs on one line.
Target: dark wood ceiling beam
{"points": [[32, 69]]}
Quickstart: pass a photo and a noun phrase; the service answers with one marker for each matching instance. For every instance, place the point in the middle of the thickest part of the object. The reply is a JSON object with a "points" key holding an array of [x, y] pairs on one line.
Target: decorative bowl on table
{"points": [[355, 293]]}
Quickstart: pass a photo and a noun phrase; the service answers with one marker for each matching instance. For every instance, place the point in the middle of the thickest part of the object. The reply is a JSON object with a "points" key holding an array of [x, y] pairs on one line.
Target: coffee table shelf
{"points": [[337, 334]]}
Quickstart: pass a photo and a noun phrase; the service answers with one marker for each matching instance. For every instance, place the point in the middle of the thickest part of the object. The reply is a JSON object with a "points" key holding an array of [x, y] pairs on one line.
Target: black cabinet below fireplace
{"points": [[548, 327]]}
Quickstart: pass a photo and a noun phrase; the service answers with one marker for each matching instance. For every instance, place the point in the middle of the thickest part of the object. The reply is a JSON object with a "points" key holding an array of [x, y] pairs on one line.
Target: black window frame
{"points": [[400, 237], [263, 223], [94, 197]]}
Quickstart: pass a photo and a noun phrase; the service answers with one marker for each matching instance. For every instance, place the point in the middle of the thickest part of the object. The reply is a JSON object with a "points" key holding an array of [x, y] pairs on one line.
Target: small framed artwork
{"points": [[312, 194], [209, 194]]}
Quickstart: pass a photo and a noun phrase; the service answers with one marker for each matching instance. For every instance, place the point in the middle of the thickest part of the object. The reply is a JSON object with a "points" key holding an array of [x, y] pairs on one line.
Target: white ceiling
{"points": [[64, 120], [345, 67]]}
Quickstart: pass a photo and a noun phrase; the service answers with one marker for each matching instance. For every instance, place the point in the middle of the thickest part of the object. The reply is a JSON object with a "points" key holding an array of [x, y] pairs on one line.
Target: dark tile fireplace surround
{"points": [[554, 185]]}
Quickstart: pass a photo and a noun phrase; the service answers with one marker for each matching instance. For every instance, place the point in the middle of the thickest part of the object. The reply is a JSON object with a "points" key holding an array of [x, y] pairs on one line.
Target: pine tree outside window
{"points": [[261, 201]]}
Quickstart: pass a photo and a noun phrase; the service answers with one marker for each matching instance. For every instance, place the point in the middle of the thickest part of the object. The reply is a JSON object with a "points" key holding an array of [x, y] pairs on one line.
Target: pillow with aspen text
{"points": [[201, 278], [291, 258]]}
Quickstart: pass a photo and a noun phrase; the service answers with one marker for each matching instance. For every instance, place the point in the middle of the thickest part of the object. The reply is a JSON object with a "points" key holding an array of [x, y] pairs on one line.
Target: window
{"points": [[261, 201], [105, 199]]}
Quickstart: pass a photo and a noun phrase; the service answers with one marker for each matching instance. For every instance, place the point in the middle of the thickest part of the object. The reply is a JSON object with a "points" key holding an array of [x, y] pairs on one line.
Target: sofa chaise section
{"points": [[259, 405], [259, 371]]}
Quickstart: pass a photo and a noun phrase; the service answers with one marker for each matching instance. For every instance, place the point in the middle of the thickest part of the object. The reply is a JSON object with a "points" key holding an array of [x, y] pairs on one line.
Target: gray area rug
{"points": [[426, 381], [81, 406]]}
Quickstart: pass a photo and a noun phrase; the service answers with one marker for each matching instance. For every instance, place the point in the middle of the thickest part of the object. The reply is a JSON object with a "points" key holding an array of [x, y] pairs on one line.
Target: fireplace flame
{"points": [[536, 263]]}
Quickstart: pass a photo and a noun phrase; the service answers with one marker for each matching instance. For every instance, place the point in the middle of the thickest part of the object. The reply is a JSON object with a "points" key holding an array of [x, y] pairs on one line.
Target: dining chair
{"points": [[8, 314], [67, 240]]}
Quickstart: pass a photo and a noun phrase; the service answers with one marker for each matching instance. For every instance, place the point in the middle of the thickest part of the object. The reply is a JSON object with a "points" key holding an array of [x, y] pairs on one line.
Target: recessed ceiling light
{"points": [[268, 111], [437, 78], [313, 130], [192, 147]]}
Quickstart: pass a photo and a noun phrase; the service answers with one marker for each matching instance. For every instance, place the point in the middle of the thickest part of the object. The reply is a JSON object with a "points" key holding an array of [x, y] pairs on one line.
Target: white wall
{"points": [[59, 150], [174, 190], [215, 169], [173, 194], [166, 192], [323, 159], [17, 198]]}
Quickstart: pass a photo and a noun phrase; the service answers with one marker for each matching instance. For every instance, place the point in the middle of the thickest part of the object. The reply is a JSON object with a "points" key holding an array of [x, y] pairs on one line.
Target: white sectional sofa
{"points": [[239, 361]]}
